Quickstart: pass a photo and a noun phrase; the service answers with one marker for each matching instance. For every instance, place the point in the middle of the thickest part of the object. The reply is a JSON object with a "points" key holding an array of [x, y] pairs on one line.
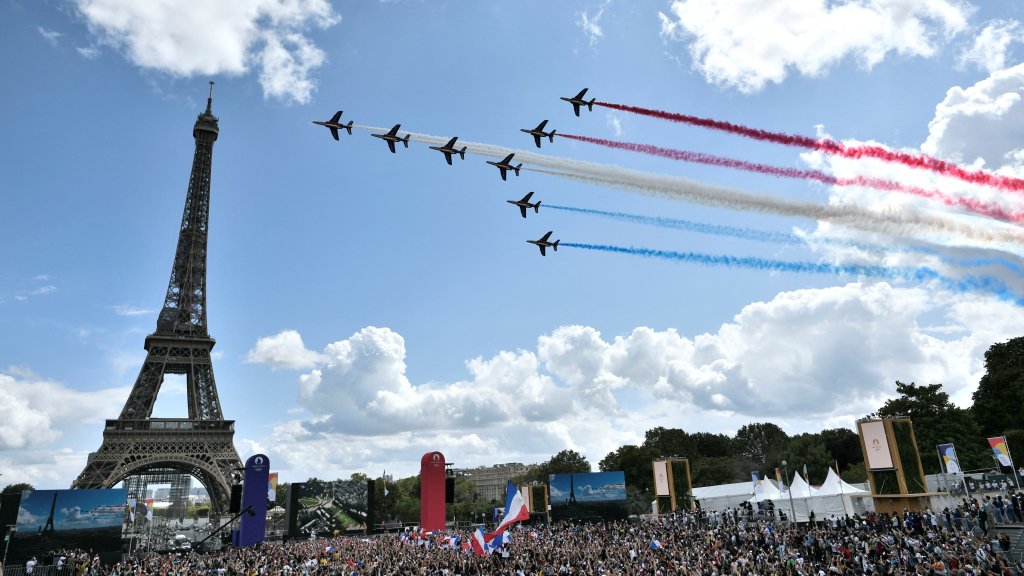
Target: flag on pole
{"points": [[778, 476], [149, 509], [656, 545], [949, 459], [515, 511], [384, 477], [806, 477], [131, 509], [1000, 451]]}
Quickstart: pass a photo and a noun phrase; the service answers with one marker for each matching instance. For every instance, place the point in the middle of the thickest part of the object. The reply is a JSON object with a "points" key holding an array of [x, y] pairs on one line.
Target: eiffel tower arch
{"points": [[202, 445]]}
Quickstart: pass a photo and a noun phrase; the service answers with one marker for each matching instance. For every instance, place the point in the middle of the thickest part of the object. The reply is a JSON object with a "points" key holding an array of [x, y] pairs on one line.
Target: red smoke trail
{"points": [[829, 146], [976, 206]]}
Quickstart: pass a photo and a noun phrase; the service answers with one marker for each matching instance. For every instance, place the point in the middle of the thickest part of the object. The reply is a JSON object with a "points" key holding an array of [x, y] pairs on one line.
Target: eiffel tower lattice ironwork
{"points": [[203, 444]]}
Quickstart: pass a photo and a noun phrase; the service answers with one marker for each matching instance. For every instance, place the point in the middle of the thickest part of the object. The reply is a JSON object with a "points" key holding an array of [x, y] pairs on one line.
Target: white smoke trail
{"points": [[891, 222]]}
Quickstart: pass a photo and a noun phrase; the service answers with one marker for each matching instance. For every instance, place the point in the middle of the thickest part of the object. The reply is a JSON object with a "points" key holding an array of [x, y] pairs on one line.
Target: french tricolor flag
{"points": [[515, 511], [478, 543], [656, 545]]}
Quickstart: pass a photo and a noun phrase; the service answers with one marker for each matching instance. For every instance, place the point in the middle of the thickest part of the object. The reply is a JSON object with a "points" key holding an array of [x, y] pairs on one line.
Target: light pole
{"points": [[789, 488]]}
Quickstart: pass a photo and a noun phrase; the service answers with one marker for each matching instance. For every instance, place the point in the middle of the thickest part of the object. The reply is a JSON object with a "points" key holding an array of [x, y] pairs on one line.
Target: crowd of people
{"points": [[723, 544]]}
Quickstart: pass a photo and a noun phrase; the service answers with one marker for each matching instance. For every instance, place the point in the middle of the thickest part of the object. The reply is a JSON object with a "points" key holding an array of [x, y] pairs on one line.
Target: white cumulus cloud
{"points": [[188, 37], [745, 44], [283, 350], [991, 45], [828, 355], [980, 124], [33, 410]]}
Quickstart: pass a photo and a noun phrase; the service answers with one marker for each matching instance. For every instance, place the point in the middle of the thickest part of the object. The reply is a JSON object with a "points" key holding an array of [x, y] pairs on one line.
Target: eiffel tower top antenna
{"points": [[209, 100]]}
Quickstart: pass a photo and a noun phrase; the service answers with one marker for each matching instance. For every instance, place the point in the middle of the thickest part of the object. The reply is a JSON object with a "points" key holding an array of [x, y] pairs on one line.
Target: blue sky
{"points": [[371, 307]]}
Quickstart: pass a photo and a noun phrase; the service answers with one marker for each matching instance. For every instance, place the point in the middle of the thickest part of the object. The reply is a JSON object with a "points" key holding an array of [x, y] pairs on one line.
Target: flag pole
{"points": [[1013, 470]]}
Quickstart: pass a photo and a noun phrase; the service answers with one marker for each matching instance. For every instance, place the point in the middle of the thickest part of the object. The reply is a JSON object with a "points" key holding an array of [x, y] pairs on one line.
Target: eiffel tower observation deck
{"points": [[202, 445]]}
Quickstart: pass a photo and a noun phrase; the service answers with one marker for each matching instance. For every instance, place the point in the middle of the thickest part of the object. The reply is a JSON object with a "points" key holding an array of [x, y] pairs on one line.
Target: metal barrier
{"points": [[39, 571]]}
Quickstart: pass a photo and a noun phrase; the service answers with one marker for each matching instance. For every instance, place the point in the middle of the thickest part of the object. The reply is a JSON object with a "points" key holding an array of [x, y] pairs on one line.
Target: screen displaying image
{"points": [[55, 519], [588, 496]]}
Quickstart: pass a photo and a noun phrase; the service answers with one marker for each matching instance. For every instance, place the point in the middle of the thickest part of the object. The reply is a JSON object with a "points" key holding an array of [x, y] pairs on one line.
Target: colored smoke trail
{"points": [[829, 146], [688, 225], [992, 211], [969, 284], [781, 237], [891, 222]]}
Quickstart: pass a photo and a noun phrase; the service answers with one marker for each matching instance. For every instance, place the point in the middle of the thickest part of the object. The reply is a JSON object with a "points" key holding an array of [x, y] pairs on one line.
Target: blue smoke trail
{"points": [[690, 226], [779, 237], [969, 284]]}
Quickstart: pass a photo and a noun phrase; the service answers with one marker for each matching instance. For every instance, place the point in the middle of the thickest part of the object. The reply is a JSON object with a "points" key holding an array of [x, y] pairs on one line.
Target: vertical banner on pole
{"points": [[949, 460], [432, 491], [272, 487], [661, 483], [1000, 451], [253, 526]]}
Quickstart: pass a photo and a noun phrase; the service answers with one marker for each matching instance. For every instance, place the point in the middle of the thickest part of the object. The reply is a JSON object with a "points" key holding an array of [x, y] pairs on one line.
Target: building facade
{"points": [[490, 481]]}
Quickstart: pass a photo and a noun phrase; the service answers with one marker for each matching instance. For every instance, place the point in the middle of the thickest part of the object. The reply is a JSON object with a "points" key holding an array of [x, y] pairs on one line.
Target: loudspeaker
{"points": [[292, 506], [449, 490], [236, 499], [371, 505]]}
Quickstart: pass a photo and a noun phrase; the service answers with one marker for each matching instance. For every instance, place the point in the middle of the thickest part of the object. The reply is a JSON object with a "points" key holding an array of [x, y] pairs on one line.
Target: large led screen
{"points": [[588, 496], [66, 519]]}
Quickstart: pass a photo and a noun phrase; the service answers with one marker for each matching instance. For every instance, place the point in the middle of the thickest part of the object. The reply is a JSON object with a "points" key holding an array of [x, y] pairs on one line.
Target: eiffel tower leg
{"points": [[202, 448]]}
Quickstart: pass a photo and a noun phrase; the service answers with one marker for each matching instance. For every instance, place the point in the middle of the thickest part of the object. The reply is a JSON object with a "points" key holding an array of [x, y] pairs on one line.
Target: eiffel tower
{"points": [[136, 444]]}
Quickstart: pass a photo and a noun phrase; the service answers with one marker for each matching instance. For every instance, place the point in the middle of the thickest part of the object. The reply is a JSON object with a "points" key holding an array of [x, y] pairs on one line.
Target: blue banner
{"points": [[253, 527]]}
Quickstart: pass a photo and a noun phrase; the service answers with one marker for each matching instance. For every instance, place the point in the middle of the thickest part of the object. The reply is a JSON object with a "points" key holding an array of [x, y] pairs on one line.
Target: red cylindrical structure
{"points": [[432, 491]]}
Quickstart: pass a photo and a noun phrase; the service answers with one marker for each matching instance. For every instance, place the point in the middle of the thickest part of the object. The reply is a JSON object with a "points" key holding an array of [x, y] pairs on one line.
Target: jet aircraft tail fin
{"points": [[405, 140], [536, 207], [590, 105], [517, 168], [555, 245], [348, 127], [551, 137], [462, 153]]}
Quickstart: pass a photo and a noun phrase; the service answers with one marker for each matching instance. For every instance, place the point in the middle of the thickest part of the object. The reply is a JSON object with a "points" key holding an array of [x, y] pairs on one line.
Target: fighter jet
{"points": [[543, 243], [449, 149], [525, 203], [578, 101], [335, 123], [539, 133], [505, 165], [392, 136]]}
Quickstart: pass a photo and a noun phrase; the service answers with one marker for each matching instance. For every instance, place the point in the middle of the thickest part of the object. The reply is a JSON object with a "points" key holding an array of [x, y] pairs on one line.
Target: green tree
{"points": [[17, 488], [635, 463], [843, 445], [669, 442], [937, 421], [808, 450], [710, 445], [999, 399], [712, 471], [855, 474], [565, 462], [762, 443]]}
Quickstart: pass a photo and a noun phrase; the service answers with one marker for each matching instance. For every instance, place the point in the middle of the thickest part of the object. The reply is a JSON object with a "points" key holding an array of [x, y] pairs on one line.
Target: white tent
{"points": [[834, 485], [766, 490], [723, 496], [800, 488]]}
